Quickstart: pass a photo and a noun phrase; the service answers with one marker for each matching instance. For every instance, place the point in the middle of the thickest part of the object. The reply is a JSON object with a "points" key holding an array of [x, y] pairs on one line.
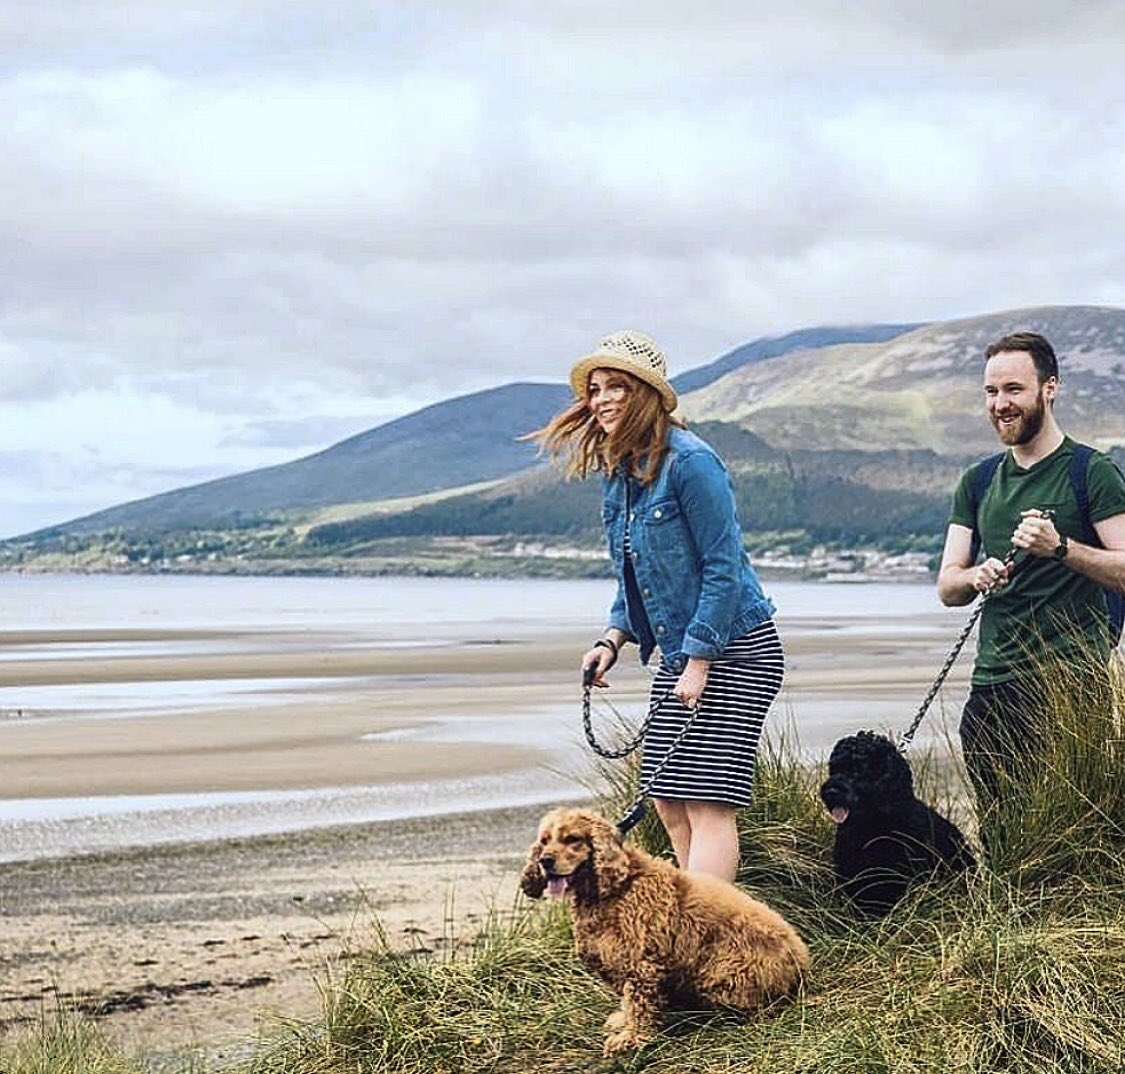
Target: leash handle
{"points": [[588, 723]]}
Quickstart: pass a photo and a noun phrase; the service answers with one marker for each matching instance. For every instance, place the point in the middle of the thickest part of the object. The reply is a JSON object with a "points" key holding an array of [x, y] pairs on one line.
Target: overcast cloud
{"points": [[234, 232]]}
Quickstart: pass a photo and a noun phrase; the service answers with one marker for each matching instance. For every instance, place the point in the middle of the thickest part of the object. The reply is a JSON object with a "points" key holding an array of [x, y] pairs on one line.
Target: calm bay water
{"points": [[47, 618], [408, 607]]}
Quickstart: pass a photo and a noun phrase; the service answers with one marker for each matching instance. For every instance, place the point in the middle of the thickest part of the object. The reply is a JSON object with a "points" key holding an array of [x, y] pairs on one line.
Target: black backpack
{"points": [[982, 476]]}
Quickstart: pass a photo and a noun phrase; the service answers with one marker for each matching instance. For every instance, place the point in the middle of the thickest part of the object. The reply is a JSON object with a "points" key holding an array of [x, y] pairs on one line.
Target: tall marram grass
{"points": [[1019, 970], [64, 1042]]}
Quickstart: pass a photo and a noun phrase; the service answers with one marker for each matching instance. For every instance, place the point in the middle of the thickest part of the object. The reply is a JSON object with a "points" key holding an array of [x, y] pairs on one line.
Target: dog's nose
{"points": [[547, 862]]}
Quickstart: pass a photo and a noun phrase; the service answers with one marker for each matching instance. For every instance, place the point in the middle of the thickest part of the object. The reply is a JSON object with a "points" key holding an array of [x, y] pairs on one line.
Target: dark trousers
{"points": [[1000, 738]]}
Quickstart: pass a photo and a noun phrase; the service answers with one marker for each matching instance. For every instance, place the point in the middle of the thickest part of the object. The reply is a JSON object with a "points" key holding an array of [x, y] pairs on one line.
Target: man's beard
{"points": [[1026, 426]]}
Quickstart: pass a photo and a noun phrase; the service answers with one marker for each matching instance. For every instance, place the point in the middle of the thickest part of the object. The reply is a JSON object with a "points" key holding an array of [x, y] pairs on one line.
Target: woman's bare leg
{"points": [[712, 839], [674, 816]]}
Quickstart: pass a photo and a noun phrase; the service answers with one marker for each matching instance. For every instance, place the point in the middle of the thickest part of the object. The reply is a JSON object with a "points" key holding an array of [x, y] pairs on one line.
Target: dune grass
{"points": [[1019, 969]]}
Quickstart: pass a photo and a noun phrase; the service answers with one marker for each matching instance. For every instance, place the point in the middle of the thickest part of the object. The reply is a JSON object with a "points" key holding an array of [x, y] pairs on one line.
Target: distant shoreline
{"points": [[915, 572]]}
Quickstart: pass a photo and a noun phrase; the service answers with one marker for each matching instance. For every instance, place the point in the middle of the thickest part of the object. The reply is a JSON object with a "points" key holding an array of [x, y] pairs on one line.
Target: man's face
{"points": [[1017, 402]]}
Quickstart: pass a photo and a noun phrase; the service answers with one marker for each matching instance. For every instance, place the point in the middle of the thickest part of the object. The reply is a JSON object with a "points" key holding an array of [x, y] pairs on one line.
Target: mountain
{"points": [[922, 390], [802, 340], [841, 441], [851, 496], [461, 441]]}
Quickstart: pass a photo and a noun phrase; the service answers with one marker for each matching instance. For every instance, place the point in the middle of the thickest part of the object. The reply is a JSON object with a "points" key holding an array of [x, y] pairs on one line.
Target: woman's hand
{"points": [[693, 681], [602, 657]]}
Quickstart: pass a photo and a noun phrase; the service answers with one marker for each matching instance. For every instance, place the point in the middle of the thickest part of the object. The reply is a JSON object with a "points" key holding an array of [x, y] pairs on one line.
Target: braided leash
{"points": [[588, 727], [908, 735], [635, 813]]}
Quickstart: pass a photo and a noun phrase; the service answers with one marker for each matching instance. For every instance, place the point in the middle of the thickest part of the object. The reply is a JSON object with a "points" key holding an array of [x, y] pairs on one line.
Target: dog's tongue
{"points": [[839, 814], [557, 885]]}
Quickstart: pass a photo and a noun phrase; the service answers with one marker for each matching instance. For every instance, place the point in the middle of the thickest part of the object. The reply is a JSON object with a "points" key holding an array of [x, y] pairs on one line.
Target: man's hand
{"points": [[1036, 534], [991, 574], [689, 688]]}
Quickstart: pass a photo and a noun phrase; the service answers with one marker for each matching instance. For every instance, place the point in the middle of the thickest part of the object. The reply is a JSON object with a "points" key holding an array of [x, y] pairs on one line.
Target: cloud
{"points": [[264, 219]]}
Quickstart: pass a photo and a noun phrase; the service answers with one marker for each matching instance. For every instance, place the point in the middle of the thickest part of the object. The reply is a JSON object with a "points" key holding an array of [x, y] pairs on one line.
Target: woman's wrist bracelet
{"points": [[605, 643]]}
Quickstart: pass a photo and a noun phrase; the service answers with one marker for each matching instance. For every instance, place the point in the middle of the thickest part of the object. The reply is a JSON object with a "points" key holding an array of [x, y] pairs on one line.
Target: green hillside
{"points": [[922, 389], [816, 492]]}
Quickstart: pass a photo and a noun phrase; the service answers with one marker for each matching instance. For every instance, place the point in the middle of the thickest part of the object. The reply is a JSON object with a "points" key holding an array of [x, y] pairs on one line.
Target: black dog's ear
{"points": [[532, 881], [895, 780]]}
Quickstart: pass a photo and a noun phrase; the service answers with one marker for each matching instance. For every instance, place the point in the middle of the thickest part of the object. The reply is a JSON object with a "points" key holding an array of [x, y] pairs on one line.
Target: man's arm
{"points": [[959, 581], [1106, 566]]}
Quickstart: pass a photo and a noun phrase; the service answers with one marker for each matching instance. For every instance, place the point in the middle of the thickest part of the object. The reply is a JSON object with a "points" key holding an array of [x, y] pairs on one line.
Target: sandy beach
{"points": [[194, 935], [201, 947]]}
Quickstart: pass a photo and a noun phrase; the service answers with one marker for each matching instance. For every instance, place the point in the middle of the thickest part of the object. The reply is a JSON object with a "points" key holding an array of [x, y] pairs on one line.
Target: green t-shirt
{"points": [[1046, 607]]}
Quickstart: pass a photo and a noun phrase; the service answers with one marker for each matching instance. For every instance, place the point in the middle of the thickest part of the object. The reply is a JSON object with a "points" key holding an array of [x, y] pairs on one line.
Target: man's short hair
{"points": [[1042, 353]]}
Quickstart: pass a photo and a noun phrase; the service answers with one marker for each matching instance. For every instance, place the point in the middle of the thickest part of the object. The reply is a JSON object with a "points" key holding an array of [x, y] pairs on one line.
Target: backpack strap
{"points": [[980, 477], [1079, 466]]}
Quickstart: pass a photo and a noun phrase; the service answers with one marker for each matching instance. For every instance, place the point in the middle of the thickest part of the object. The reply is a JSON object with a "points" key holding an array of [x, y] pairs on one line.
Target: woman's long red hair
{"points": [[579, 444]]}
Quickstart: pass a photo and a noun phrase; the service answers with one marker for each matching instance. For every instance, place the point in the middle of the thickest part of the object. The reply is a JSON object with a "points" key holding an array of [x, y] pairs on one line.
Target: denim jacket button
{"points": [[659, 630], [657, 513]]}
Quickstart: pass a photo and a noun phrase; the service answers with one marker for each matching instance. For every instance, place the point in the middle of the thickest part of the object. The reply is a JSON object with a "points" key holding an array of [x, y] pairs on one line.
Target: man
{"points": [[1050, 602]]}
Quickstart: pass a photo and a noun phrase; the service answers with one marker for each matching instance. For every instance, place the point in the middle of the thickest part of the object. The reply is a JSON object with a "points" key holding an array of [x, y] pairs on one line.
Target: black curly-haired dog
{"points": [[885, 837]]}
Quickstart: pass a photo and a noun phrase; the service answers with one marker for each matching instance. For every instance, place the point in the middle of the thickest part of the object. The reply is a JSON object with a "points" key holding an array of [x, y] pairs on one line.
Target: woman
{"points": [[684, 583]]}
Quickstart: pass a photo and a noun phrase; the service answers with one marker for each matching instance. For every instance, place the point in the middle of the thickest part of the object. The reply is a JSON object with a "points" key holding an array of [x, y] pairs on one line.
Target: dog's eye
{"points": [[572, 839], [543, 839]]}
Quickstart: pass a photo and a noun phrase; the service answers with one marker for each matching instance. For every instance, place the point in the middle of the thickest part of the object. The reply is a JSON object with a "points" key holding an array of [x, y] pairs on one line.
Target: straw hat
{"points": [[631, 352]]}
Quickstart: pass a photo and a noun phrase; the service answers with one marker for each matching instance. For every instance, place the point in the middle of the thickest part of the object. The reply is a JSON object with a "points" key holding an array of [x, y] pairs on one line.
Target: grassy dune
{"points": [[1020, 969]]}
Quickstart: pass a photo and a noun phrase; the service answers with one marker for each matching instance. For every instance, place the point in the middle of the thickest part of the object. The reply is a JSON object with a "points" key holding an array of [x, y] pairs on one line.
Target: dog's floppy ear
{"points": [[895, 781], [611, 863], [532, 881]]}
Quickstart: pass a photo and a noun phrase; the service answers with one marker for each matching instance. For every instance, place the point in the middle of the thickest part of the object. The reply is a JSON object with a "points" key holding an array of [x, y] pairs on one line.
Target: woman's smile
{"points": [[608, 395]]}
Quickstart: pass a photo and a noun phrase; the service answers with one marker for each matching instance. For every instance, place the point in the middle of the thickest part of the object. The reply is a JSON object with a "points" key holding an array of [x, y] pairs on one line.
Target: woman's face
{"points": [[608, 395]]}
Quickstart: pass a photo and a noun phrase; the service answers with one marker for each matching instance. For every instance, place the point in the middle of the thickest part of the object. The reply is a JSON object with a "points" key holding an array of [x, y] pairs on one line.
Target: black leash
{"points": [[588, 727], [636, 812], [908, 735]]}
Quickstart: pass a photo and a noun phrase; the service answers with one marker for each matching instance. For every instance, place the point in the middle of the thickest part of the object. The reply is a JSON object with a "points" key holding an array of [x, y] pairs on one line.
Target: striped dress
{"points": [[715, 760]]}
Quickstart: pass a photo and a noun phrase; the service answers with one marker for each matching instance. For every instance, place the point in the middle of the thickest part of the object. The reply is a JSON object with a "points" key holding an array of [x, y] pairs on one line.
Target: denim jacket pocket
{"points": [[667, 535], [663, 512]]}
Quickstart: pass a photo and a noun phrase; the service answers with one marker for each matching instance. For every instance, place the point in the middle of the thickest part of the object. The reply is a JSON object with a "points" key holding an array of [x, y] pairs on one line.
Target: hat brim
{"points": [[580, 376]]}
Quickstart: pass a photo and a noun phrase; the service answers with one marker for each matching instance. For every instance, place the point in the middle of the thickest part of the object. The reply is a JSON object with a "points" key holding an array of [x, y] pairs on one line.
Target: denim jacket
{"points": [[694, 577]]}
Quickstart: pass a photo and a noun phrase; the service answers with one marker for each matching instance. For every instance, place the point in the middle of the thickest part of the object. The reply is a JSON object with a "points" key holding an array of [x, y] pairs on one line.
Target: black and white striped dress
{"points": [[715, 761]]}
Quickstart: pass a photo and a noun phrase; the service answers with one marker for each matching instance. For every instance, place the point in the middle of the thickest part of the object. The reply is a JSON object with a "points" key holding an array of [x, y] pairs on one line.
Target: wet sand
{"points": [[177, 945], [202, 947]]}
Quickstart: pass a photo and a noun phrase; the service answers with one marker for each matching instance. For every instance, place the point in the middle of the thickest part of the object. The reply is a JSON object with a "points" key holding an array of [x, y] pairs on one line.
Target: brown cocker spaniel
{"points": [[659, 937]]}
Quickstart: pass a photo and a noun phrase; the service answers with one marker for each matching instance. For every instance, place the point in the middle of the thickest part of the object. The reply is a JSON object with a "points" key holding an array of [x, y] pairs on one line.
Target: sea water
{"points": [[60, 617]]}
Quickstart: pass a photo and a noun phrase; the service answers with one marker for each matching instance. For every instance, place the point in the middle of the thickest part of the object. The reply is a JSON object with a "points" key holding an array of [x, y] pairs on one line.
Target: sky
{"points": [[233, 232]]}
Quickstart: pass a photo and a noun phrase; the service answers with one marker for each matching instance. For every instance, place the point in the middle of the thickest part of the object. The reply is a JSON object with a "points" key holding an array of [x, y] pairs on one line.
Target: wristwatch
{"points": [[1061, 548]]}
